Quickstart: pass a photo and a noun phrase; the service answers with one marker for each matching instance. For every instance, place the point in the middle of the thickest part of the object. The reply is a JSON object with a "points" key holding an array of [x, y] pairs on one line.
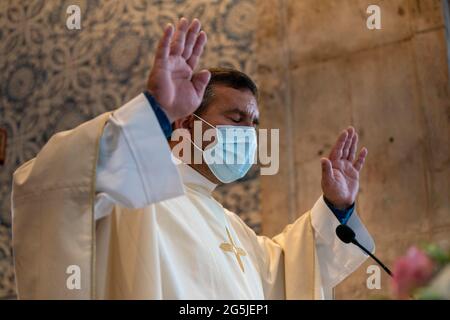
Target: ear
{"points": [[184, 123]]}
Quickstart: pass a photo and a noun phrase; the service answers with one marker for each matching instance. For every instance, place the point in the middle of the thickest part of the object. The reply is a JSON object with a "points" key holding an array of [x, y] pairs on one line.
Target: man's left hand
{"points": [[340, 171]]}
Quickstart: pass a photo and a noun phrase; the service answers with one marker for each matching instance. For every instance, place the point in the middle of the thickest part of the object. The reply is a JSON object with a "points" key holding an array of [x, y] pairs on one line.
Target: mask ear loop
{"points": [[200, 118], [209, 124]]}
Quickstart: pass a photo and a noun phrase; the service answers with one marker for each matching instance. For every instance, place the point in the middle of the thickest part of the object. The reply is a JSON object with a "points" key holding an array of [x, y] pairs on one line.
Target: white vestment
{"points": [[159, 233]]}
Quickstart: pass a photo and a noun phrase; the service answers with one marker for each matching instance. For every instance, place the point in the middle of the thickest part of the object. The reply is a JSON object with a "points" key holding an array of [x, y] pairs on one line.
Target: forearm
{"points": [[337, 259], [135, 167]]}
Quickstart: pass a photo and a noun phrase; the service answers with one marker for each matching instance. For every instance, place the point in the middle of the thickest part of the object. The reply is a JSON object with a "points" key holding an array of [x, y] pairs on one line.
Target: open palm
{"points": [[340, 171], [172, 80]]}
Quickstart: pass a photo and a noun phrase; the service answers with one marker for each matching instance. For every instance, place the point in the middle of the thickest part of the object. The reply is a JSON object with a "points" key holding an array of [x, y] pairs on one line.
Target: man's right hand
{"points": [[172, 81]]}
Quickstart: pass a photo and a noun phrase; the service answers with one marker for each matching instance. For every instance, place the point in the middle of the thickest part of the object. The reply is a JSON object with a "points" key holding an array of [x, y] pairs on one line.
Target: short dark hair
{"points": [[228, 77]]}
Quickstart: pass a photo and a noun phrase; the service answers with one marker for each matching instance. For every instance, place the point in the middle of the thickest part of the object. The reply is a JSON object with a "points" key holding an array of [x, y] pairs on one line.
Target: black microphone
{"points": [[347, 235]]}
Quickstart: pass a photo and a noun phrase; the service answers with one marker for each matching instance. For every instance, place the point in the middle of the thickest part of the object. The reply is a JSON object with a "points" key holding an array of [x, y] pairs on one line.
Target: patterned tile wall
{"points": [[53, 78]]}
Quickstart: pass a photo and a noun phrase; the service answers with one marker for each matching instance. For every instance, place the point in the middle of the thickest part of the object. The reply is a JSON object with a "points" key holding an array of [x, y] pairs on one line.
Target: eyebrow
{"points": [[244, 114]]}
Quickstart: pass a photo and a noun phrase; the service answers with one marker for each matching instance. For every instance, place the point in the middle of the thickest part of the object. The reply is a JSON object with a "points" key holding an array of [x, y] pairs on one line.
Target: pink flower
{"points": [[411, 272]]}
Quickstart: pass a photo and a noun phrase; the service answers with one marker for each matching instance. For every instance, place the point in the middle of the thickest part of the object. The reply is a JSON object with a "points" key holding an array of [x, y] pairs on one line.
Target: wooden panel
{"points": [[385, 107], [308, 177], [392, 85], [277, 191], [426, 14], [431, 62], [319, 30], [321, 109]]}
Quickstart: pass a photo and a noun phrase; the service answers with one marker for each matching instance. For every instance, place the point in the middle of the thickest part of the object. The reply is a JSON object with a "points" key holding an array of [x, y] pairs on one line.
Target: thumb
{"points": [[327, 169], [200, 80]]}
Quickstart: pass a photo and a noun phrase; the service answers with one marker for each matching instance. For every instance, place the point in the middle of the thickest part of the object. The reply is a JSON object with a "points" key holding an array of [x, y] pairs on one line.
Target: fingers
{"points": [[361, 158], [197, 50], [327, 169], [200, 80], [163, 49], [348, 142], [353, 147], [179, 39], [191, 38], [187, 42], [336, 152]]}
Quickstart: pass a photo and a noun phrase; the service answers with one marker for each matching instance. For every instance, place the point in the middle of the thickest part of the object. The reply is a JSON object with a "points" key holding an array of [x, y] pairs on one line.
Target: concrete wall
{"points": [[320, 70]]}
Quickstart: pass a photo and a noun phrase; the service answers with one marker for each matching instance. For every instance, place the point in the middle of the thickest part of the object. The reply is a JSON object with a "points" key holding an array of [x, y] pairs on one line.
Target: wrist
{"points": [[151, 93], [338, 205], [161, 115], [153, 98], [168, 115], [343, 214]]}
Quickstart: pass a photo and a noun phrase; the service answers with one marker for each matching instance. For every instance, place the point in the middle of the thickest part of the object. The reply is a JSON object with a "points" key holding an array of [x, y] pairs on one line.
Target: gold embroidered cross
{"points": [[230, 247]]}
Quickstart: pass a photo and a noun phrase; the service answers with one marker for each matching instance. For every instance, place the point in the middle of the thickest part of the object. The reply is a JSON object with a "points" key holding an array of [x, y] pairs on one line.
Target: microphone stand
{"points": [[356, 243], [347, 235]]}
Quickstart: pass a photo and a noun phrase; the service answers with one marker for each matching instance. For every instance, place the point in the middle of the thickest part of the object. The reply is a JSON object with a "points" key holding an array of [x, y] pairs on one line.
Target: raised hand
{"points": [[340, 171], [172, 80]]}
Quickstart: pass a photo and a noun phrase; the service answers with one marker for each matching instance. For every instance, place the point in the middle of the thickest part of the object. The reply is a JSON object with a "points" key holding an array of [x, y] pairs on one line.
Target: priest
{"points": [[104, 211]]}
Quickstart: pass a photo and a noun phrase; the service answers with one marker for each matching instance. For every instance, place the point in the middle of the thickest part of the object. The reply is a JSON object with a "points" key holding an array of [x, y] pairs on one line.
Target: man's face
{"points": [[228, 107], [232, 107]]}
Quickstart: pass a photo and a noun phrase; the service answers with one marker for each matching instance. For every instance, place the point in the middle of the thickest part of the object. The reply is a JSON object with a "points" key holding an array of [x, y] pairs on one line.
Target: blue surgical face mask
{"points": [[232, 153]]}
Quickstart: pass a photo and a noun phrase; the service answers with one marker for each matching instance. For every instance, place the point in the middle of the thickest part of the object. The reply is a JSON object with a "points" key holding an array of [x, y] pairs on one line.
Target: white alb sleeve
{"points": [[135, 167]]}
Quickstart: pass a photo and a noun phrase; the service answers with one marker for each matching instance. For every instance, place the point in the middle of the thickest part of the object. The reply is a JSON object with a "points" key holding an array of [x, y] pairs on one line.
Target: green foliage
{"points": [[436, 253]]}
